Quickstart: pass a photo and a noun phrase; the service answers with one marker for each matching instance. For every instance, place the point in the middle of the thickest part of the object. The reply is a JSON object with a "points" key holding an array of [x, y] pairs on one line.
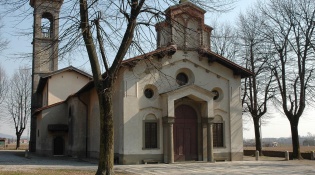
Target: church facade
{"points": [[180, 102]]}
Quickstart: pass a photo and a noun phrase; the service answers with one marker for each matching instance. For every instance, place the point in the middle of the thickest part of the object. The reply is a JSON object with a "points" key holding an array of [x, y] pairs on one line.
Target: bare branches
{"points": [[18, 102], [216, 5], [290, 31], [3, 84], [3, 42], [224, 41], [254, 53], [100, 41]]}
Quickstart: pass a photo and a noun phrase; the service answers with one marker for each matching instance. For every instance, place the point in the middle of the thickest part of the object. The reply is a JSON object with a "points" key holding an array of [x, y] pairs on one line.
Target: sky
{"points": [[275, 126]]}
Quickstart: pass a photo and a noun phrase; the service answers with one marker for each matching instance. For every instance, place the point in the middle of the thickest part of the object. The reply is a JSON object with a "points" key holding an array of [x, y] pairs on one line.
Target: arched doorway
{"points": [[58, 146], [185, 133]]}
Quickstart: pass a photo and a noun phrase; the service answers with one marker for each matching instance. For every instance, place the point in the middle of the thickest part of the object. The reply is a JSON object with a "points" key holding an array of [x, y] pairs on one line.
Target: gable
{"points": [[62, 85], [57, 86]]}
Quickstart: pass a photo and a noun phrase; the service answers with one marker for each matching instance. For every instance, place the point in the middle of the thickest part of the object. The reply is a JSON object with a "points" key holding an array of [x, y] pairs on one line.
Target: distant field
{"points": [[284, 148], [23, 146]]}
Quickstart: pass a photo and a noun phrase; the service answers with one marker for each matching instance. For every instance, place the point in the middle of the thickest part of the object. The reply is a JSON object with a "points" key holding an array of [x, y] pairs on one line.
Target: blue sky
{"points": [[278, 126]]}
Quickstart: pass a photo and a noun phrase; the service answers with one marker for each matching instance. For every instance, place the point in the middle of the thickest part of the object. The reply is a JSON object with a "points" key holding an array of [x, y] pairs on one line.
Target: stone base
{"points": [[138, 158]]}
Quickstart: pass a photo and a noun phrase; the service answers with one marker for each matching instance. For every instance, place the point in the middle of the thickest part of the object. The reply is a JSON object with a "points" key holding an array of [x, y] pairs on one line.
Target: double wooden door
{"points": [[185, 133]]}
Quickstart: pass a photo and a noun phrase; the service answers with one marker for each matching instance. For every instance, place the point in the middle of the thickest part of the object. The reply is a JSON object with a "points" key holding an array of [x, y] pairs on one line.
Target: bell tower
{"points": [[45, 37], [184, 26], [45, 49]]}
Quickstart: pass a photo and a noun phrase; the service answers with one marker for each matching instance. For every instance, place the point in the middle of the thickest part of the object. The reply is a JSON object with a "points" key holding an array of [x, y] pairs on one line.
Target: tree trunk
{"points": [[106, 155], [257, 135], [295, 140], [18, 138]]}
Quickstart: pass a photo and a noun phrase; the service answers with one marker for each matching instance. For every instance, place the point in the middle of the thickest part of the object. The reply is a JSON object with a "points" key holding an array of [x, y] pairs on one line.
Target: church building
{"points": [[180, 102]]}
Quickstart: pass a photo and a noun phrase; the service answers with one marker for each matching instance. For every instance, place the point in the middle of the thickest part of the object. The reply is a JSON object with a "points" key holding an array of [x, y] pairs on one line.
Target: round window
{"points": [[216, 94], [181, 79], [148, 93]]}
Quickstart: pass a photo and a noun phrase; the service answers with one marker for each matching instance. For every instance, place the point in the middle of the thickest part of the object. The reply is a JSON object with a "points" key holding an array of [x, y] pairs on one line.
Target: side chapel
{"points": [[180, 102]]}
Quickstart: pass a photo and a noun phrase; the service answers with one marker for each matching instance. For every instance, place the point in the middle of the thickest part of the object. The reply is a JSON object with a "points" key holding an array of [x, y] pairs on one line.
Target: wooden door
{"points": [[185, 134]]}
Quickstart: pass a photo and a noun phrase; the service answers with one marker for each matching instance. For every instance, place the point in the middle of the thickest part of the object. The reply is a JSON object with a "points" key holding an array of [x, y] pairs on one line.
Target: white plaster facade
{"points": [[75, 120]]}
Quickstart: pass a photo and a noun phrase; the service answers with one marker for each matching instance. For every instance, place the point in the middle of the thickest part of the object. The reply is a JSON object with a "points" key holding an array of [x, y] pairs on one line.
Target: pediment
{"points": [[192, 91], [205, 60]]}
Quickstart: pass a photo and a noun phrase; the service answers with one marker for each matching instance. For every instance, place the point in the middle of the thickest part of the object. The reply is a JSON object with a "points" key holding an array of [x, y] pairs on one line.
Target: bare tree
{"points": [[3, 42], [3, 88], [255, 54], [290, 28], [224, 41], [3, 84], [18, 101]]}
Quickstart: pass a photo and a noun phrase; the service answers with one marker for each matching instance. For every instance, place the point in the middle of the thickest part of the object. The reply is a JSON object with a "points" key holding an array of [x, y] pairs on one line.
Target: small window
{"points": [[181, 79], [70, 112], [150, 135], [218, 135], [149, 93]]}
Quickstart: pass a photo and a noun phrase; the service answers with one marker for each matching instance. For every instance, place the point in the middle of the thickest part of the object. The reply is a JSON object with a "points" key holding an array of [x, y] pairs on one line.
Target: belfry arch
{"points": [[47, 25]]}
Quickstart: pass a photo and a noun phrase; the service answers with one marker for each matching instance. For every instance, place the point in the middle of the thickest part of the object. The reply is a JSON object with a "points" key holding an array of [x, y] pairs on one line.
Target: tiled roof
{"points": [[49, 106], [66, 69], [161, 52], [214, 57], [45, 76]]}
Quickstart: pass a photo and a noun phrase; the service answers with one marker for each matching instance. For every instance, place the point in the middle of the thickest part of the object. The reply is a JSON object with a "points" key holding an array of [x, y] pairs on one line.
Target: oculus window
{"points": [[149, 93], [181, 79]]}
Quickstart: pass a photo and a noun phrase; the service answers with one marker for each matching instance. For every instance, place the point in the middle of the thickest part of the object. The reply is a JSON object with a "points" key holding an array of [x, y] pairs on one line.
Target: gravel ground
{"points": [[15, 161]]}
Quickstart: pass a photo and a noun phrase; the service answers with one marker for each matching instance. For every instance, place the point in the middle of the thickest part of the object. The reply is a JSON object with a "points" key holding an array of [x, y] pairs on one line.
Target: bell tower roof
{"points": [[34, 2], [185, 6]]}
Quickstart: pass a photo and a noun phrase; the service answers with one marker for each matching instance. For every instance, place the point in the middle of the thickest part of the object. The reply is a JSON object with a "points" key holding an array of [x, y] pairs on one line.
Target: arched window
{"points": [[150, 132], [218, 132], [47, 25]]}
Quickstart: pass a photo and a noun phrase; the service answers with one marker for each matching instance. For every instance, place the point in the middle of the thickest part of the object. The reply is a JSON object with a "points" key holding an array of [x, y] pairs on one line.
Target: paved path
{"points": [[15, 160]]}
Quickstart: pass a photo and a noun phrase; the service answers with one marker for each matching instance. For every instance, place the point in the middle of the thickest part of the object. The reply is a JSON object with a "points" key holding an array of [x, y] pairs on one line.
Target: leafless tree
{"points": [[290, 28], [3, 42], [3, 84], [18, 102], [224, 40], [255, 54], [3, 88], [112, 30]]}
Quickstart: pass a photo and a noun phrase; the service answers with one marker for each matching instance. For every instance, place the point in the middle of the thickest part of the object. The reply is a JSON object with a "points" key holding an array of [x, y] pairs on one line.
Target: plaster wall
{"points": [[45, 95], [118, 108], [62, 85], [93, 125], [236, 120], [53, 115], [77, 122]]}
